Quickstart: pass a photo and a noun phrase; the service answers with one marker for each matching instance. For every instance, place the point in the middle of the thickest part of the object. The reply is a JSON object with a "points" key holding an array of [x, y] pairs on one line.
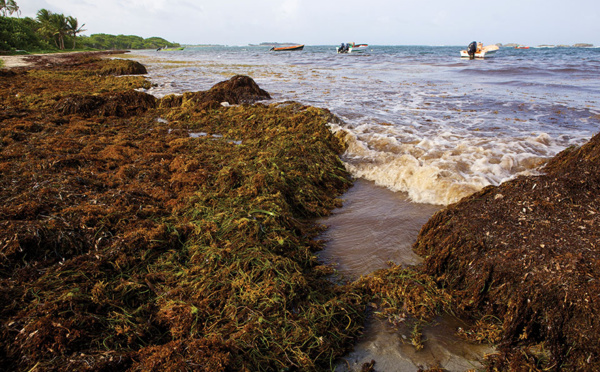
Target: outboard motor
{"points": [[471, 49]]}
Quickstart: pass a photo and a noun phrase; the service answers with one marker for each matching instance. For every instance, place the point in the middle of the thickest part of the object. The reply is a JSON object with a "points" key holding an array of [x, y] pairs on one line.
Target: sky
{"points": [[326, 22]]}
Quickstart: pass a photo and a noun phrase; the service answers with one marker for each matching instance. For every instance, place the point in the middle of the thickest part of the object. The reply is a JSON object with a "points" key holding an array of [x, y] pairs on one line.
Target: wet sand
{"points": [[392, 351]]}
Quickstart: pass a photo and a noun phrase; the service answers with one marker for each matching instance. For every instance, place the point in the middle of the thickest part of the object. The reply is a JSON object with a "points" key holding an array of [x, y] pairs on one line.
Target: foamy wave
{"points": [[438, 170]]}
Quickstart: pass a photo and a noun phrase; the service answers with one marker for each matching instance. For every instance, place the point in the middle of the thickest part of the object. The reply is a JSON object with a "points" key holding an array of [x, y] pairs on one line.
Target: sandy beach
{"points": [[14, 61]]}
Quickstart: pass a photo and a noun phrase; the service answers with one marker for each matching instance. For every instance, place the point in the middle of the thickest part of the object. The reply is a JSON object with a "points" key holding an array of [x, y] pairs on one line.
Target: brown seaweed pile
{"points": [[523, 259], [147, 235], [144, 234]]}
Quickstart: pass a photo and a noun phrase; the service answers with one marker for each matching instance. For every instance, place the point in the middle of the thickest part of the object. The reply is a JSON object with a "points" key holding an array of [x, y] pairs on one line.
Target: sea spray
{"points": [[439, 172]]}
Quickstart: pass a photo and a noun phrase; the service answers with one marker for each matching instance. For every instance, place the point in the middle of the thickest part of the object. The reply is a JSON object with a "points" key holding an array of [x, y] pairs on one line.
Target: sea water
{"points": [[419, 119], [425, 128]]}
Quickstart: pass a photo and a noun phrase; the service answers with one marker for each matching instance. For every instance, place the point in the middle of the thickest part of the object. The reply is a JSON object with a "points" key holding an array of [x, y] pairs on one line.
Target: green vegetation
{"points": [[104, 41], [50, 32], [21, 34]]}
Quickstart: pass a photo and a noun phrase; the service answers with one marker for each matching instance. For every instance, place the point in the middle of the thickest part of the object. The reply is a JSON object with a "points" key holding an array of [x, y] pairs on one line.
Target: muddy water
{"points": [[376, 226]]}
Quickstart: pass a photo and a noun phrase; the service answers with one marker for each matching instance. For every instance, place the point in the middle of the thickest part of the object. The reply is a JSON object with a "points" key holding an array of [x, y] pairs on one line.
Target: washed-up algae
{"points": [[523, 259], [142, 236]]}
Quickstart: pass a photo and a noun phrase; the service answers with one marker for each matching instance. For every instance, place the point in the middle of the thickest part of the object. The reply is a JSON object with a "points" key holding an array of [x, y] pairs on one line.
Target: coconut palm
{"points": [[61, 28], [74, 28], [8, 7], [53, 25], [44, 17]]}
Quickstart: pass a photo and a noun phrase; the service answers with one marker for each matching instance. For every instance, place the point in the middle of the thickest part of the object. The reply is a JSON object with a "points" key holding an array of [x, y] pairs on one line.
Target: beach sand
{"points": [[15, 61]]}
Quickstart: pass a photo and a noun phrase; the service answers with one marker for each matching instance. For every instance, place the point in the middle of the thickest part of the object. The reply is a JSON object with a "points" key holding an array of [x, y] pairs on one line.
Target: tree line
{"points": [[54, 31]]}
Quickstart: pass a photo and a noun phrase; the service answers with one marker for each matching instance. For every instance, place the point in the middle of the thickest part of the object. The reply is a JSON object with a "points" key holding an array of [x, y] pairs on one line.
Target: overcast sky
{"points": [[325, 22]]}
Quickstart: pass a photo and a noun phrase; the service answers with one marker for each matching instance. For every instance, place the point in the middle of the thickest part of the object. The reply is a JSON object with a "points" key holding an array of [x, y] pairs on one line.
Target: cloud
{"points": [[289, 8], [238, 22]]}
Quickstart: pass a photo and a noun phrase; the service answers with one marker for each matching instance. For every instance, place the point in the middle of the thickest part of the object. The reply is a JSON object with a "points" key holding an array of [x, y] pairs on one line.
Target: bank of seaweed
{"points": [[144, 234], [523, 259], [140, 234]]}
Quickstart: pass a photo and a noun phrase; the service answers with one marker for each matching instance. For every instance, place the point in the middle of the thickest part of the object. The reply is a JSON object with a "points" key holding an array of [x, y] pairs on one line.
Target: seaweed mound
{"points": [[527, 253], [62, 61], [123, 67], [6, 73], [129, 244], [122, 104], [237, 90]]}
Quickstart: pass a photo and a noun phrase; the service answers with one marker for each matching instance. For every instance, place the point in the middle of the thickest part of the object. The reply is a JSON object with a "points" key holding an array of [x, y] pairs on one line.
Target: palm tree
{"points": [[8, 7], [61, 28], [74, 28], [53, 25], [44, 17]]}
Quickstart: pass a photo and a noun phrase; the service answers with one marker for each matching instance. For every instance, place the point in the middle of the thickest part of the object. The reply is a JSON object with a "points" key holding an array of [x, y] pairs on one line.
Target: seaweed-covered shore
{"points": [[523, 260], [144, 234], [175, 234]]}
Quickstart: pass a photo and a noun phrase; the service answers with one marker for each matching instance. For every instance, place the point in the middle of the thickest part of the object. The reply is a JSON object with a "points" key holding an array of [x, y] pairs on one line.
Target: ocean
{"points": [[420, 120], [425, 128]]}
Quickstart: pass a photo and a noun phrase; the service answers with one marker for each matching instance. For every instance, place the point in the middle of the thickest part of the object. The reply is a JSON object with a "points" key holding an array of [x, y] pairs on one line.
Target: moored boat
{"points": [[352, 47], [480, 51], [286, 48], [521, 47]]}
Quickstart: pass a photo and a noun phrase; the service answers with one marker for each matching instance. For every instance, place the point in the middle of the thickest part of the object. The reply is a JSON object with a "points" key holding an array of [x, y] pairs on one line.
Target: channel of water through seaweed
{"points": [[376, 227]]}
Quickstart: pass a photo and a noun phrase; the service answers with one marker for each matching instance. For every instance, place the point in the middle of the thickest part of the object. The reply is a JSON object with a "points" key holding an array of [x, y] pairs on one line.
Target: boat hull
{"points": [[358, 48], [287, 48], [487, 51]]}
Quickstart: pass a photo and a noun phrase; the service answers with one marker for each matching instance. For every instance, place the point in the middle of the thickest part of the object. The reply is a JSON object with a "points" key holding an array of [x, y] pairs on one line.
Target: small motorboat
{"points": [[287, 48], [521, 47], [480, 51], [352, 48]]}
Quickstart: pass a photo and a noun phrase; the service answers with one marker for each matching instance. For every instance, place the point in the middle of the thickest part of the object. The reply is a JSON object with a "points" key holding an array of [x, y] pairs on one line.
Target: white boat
{"points": [[486, 51], [352, 48]]}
